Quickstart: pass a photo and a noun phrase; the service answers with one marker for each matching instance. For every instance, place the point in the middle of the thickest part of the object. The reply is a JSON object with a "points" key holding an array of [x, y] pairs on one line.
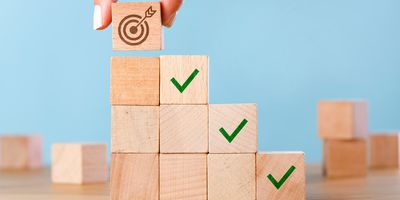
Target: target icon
{"points": [[134, 29]]}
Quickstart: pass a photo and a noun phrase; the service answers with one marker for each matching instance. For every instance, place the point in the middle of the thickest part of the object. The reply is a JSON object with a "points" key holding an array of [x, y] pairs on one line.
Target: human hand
{"points": [[102, 12]]}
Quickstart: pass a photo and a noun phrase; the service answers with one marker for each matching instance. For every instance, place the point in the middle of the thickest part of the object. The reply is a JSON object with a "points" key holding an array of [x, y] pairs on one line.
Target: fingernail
{"points": [[171, 20], [97, 18]]}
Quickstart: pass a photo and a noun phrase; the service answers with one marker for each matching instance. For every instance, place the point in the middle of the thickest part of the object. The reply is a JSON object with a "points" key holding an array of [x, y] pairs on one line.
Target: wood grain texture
{"points": [[183, 128], [277, 164], [345, 158], [36, 185], [180, 68], [135, 129], [19, 152], [342, 119], [231, 177], [154, 38], [134, 176], [135, 81], [183, 176], [229, 116], [79, 163], [384, 150]]}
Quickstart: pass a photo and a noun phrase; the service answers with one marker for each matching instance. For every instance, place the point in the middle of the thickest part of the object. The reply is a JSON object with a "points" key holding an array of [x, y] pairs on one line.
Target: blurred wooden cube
{"points": [[18, 152], [345, 158], [384, 150], [135, 129], [342, 119], [183, 176], [134, 176], [136, 26], [184, 79], [231, 176], [233, 128], [183, 128], [288, 172], [78, 163], [135, 81]]}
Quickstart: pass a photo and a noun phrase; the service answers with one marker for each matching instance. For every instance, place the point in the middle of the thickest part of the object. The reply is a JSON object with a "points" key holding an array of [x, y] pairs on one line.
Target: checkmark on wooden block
{"points": [[182, 88], [235, 132], [283, 179]]}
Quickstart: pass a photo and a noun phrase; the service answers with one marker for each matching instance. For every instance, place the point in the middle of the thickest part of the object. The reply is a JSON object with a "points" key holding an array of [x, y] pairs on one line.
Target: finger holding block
{"points": [[231, 177], [19, 152], [136, 26], [135, 129], [183, 176], [233, 128], [345, 158], [134, 176], [78, 163], [184, 79], [342, 119], [183, 128], [135, 81], [280, 175], [385, 150]]}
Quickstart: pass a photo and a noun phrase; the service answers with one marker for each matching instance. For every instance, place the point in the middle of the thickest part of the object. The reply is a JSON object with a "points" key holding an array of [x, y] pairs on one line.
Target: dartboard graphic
{"points": [[134, 29]]}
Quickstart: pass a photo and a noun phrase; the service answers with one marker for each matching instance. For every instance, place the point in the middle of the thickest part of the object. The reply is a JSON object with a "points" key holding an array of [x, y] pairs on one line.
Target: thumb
{"points": [[102, 14]]}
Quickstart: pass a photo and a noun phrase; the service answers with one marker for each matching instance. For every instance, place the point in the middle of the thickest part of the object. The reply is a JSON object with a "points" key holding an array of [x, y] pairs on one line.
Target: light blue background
{"points": [[283, 55]]}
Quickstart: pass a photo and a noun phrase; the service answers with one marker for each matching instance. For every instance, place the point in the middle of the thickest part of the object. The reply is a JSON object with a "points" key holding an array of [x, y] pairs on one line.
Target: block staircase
{"points": [[169, 143]]}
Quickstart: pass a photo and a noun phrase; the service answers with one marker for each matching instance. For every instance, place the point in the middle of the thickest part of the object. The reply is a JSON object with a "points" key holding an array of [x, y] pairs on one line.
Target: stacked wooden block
{"points": [[168, 142], [343, 126]]}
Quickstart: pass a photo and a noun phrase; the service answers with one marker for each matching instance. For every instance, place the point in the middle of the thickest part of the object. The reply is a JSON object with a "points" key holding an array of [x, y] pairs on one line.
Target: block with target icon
{"points": [[232, 128], [136, 26]]}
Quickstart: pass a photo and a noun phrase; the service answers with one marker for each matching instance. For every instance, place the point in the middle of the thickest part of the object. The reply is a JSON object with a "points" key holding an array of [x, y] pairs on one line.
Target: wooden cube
{"points": [[345, 158], [183, 129], [135, 81], [183, 176], [384, 150], [231, 176], [233, 128], [18, 152], [135, 129], [78, 163], [134, 176], [280, 175], [342, 119], [136, 26], [184, 79]]}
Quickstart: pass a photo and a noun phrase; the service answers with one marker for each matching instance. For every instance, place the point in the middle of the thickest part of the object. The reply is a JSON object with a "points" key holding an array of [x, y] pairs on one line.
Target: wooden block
{"points": [[231, 176], [178, 70], [78, 163], [384, 150], [342, 119], [345, 158], [233, 118], [18, 152], [135, 129], [283, 167], [135, 81], [136, 26], [183, 128], [183, 176], [134, 176]]}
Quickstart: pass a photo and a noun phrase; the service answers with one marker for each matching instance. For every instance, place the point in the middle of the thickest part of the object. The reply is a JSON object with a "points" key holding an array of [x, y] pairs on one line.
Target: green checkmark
{"points": [[283, 179], [235, 132], [182, 88]]}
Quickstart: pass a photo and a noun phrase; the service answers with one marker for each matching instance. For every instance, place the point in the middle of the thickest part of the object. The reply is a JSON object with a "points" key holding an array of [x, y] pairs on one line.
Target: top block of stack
{"points": [[342, 119], [136, 26]]}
